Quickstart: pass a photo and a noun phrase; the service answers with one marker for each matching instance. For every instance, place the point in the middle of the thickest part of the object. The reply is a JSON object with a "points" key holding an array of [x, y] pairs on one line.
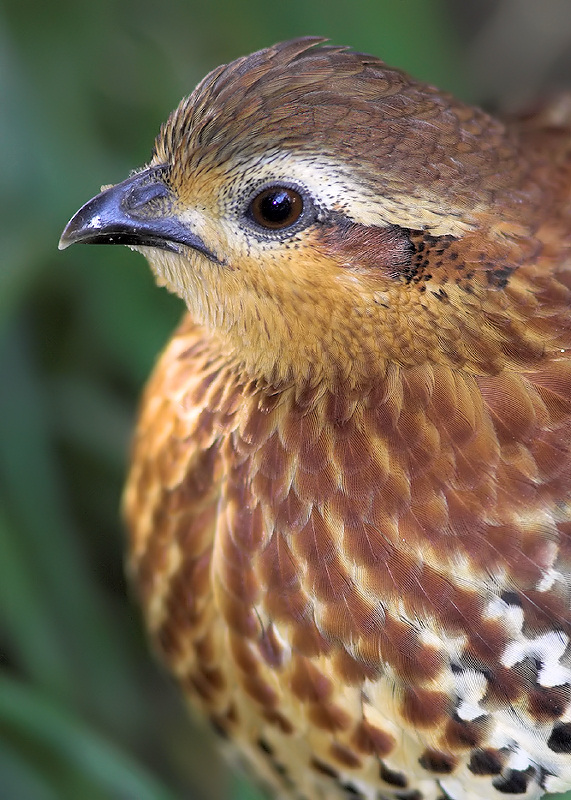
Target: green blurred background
{"points": [[85, 712]]}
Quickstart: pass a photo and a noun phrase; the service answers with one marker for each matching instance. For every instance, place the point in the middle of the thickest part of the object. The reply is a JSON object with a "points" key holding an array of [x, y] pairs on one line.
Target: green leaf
{"points": [[78, 757], [64, 637]]}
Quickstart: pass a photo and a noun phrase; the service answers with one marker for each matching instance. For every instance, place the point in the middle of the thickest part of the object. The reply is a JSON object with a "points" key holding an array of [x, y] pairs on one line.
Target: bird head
{"points": [[322, 214]]}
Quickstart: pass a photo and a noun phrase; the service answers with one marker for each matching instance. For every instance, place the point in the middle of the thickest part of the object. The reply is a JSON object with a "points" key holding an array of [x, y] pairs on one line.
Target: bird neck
{"points": [[276, 345]]}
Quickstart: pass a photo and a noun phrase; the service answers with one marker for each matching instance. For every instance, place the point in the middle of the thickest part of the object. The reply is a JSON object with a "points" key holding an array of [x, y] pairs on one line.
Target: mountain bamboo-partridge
{"points": [[349, 496]]}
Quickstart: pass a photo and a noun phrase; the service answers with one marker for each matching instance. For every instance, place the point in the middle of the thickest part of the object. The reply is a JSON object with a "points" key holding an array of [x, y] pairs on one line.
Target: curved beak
{"points": [[137, 212]]}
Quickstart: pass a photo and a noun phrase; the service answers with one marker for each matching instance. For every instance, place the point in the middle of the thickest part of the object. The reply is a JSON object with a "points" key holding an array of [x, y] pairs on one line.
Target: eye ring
{"points": [[276, 208]]}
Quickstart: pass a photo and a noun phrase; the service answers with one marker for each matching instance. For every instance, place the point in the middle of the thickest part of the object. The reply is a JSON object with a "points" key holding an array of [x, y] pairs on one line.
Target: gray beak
{"points": [[137, 211]]}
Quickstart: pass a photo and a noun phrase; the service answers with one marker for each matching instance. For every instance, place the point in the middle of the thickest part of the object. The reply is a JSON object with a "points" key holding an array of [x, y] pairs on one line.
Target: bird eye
{"points": [[276, 207]]}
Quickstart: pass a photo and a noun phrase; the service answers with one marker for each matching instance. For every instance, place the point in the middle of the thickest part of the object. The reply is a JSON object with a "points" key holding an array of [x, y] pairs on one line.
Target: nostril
{"points": [[147, 196]]}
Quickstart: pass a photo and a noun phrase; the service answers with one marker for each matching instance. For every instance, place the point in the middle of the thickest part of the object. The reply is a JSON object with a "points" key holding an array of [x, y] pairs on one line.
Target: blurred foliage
{"points": [[84, 710]]}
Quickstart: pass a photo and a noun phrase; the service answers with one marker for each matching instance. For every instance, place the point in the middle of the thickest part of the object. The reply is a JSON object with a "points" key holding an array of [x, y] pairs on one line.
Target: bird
{"points": [[348, 501]]}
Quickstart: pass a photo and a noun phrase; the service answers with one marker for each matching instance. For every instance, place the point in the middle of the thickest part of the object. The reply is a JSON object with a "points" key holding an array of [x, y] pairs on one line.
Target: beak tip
{"points": [[64, 241], [84, 224], [72, 232]]}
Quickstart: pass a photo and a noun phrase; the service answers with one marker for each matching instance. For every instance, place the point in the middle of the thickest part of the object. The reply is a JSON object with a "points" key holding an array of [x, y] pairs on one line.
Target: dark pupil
{"points": [[276, 207]]}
